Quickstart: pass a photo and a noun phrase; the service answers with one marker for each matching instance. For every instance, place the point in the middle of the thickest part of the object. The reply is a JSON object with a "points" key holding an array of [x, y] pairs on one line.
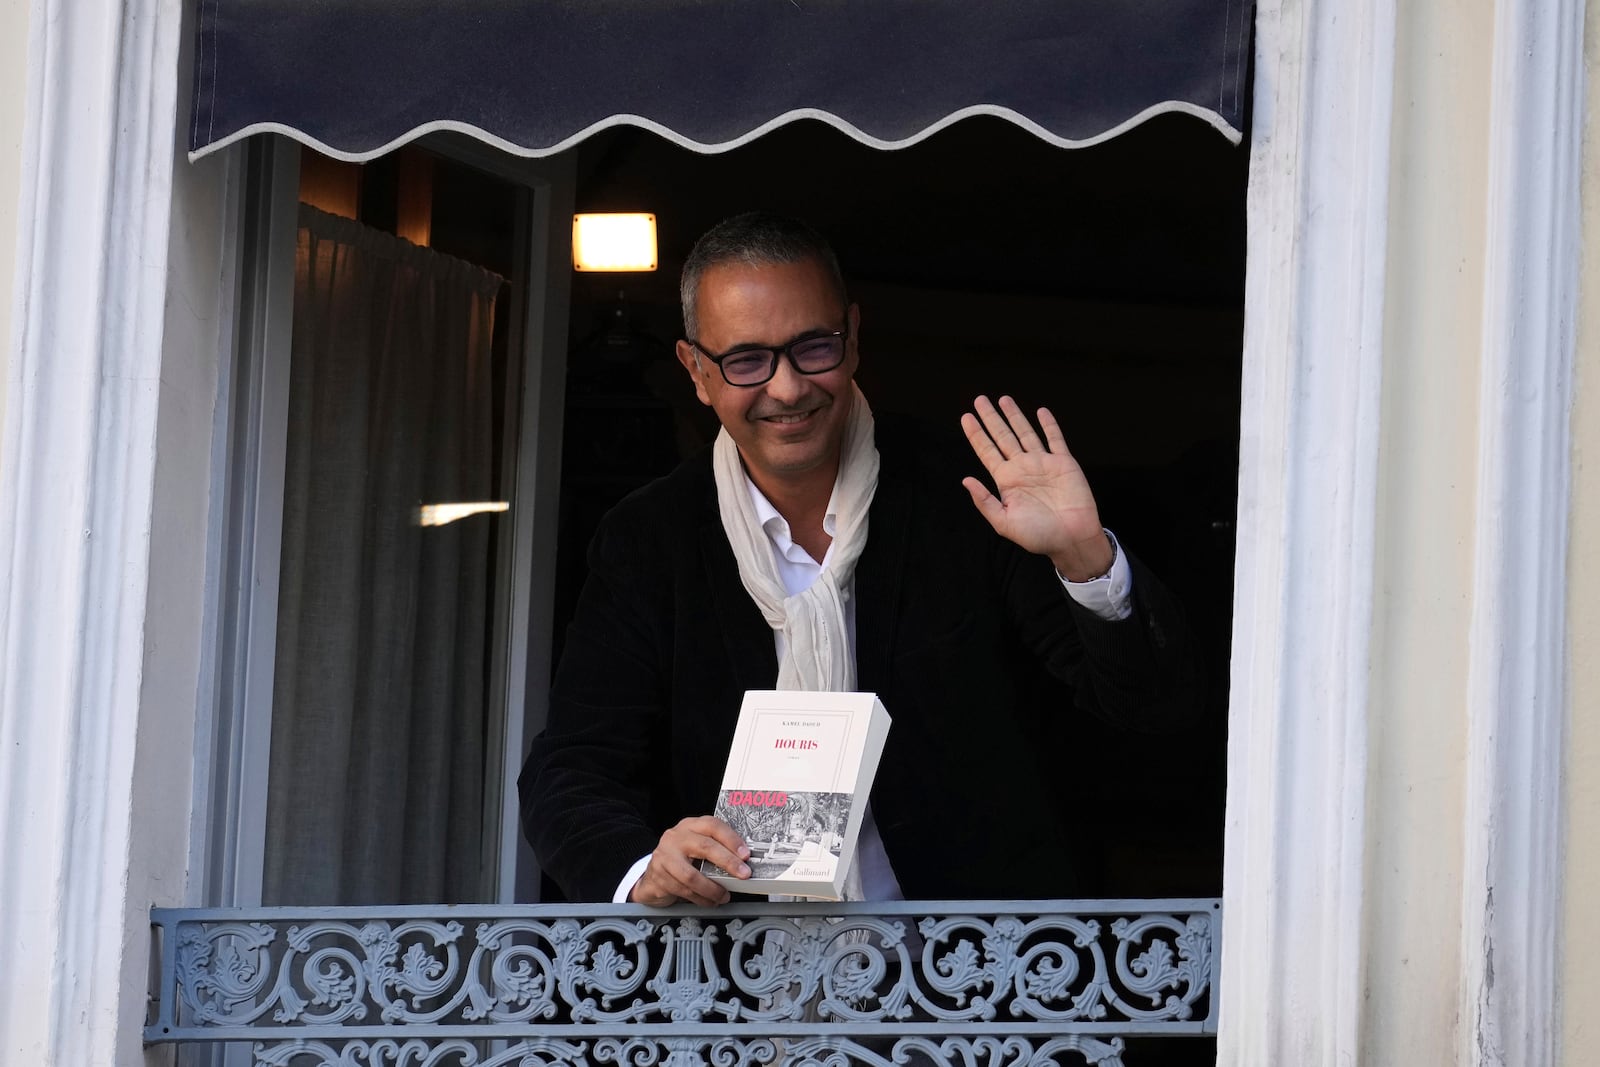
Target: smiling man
{"points": [[813, 547], [775, 358]]}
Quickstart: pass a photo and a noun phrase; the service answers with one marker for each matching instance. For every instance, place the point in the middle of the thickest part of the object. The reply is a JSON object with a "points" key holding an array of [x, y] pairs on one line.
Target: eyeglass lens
{"points": [[755, 365]]}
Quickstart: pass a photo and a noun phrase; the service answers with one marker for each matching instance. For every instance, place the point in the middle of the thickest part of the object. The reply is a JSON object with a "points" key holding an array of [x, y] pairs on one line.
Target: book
{"points": [[799, 774]]}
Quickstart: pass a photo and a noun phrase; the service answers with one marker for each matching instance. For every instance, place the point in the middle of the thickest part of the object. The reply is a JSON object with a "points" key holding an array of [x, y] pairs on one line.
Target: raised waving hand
{"points": [[1042, 500]]}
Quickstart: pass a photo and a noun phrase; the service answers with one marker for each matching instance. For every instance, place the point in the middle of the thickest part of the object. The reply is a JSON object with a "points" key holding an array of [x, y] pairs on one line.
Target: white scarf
{"points": [[817, 653]]}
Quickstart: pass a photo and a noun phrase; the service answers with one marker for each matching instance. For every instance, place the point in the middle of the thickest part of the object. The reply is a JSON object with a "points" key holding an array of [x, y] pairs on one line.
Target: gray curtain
{"points": [[375, 791]]}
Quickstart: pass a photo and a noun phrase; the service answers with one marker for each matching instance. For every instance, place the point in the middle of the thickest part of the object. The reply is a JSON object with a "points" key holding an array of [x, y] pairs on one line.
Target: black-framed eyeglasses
{"points": [[816, 354]]}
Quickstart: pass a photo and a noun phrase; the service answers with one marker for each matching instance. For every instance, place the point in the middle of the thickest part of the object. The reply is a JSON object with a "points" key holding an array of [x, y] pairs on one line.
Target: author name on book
{"points": [[756, 798]]}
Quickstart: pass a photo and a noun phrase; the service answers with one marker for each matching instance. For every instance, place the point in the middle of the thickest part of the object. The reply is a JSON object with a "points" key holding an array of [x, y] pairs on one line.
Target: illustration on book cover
{"points": [[791, 835]]}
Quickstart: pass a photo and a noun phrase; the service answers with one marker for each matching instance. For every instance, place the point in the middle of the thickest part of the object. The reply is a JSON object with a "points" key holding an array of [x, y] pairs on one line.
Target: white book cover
{"points": [[796, 788]]}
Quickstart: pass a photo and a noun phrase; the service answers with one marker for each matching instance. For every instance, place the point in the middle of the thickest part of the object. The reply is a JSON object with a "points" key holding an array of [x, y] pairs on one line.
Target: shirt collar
{"points": [[776, 527]]}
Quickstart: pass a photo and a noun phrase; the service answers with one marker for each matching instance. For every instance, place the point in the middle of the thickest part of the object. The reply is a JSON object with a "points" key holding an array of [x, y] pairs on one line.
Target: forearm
{"points": [[1144, 671], [1136, 666], [585, 824], [592, 781]]}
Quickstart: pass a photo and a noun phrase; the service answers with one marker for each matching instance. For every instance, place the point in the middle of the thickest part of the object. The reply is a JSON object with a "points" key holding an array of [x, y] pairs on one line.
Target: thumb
{"points": [[988, 505]]}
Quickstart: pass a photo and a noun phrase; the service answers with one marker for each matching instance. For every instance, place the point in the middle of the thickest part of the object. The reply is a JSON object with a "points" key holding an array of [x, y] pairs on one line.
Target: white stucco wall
{"points": [[1422, 586], [13, 86], [1419, 969], [1581, 957]]}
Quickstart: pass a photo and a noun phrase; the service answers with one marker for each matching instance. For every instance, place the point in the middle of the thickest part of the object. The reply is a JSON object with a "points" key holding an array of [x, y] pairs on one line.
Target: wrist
{"points": [[1088, 561]]}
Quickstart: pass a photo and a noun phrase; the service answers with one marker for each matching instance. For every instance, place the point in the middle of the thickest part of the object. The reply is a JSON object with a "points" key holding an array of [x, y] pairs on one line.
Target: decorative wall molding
{"points": [[1317, 215], [77, 474], [1516, 682]]}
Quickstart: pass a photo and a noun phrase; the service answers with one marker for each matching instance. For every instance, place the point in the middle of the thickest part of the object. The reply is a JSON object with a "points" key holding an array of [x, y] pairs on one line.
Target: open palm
{"points": [[1043, 502]]}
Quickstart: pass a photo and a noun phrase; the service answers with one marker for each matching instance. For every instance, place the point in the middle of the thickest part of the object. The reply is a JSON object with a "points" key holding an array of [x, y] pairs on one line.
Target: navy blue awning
{"points": [[356, 78]]}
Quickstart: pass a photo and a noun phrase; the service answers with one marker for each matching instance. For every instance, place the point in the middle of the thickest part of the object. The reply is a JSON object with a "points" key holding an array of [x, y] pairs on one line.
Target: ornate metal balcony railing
{"points": [[1003, 984]]}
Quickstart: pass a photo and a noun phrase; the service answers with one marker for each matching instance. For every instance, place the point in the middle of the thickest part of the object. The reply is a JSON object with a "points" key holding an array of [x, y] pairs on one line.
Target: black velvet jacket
{"points": [[953, 626]]}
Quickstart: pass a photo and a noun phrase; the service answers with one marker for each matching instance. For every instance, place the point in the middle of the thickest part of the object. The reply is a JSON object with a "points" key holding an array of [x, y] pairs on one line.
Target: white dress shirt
{"points": [[1106, 596]]}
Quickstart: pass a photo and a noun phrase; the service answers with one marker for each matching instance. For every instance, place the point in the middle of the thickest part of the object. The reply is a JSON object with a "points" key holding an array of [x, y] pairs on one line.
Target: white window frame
{"points": [[1294, 943], [84, 639]]}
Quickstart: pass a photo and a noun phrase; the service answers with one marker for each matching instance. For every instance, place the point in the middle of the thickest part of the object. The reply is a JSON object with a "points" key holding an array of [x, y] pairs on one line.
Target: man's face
{"points": [[793, 425]]}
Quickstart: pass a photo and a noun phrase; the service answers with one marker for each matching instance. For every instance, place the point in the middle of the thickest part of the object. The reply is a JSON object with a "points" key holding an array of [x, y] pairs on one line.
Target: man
{"points": [[818, 548]]}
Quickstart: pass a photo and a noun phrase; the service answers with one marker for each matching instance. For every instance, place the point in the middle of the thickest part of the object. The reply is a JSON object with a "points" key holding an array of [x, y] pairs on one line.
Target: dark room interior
{"points": [[1104, 282]]}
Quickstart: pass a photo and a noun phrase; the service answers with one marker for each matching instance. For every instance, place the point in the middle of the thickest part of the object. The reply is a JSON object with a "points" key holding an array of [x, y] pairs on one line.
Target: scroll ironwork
{"points": [[975, 984]]}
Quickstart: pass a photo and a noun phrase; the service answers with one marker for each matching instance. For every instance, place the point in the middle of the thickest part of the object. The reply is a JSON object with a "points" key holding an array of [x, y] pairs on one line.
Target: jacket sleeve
{"points": [[590, 786], [1141, 672]]}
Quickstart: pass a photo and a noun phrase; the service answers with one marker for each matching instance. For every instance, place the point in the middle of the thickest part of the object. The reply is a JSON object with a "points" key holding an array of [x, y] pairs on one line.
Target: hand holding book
{"points": [[795, 787], [673, 873]]}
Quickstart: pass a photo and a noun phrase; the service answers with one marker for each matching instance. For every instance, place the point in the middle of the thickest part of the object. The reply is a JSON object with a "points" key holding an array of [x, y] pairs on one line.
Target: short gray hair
{"points": [[756, 238]]}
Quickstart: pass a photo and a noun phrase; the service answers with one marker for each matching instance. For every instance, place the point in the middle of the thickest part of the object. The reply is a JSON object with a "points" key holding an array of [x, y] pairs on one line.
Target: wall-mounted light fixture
{"points": [[614, 242]]}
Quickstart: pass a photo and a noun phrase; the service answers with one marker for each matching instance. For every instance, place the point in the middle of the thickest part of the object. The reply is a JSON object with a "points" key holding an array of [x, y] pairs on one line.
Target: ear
{"points": [[689, 356], [853, 317]]}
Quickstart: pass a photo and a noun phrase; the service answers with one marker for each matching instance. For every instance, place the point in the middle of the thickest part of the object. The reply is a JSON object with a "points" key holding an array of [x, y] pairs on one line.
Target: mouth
{"points": [[790, 418]]}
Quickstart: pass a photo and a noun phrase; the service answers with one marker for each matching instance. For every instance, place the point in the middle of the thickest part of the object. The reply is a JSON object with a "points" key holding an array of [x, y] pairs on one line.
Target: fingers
{"points": [[1020, 425], [988, 454], [719, 831], [674, 879], [674, 874], [672, 883], [716, 841], [1004, 439], [999, 434], [1052, 432], [670, 879]]}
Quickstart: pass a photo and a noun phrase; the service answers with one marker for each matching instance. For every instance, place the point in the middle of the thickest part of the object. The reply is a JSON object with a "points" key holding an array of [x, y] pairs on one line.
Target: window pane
{"points": [[381, 695]]}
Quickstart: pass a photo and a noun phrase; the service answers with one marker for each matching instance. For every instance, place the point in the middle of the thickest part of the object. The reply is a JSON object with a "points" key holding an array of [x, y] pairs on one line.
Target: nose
{"points": [[787, 385]]}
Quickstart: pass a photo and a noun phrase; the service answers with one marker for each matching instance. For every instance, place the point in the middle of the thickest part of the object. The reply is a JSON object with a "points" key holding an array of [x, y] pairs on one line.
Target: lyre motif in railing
{"points": [[998, 984]]}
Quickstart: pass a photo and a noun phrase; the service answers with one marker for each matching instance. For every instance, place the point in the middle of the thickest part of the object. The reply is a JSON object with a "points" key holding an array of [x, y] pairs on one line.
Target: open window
{"points": [[1105, 283]]}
